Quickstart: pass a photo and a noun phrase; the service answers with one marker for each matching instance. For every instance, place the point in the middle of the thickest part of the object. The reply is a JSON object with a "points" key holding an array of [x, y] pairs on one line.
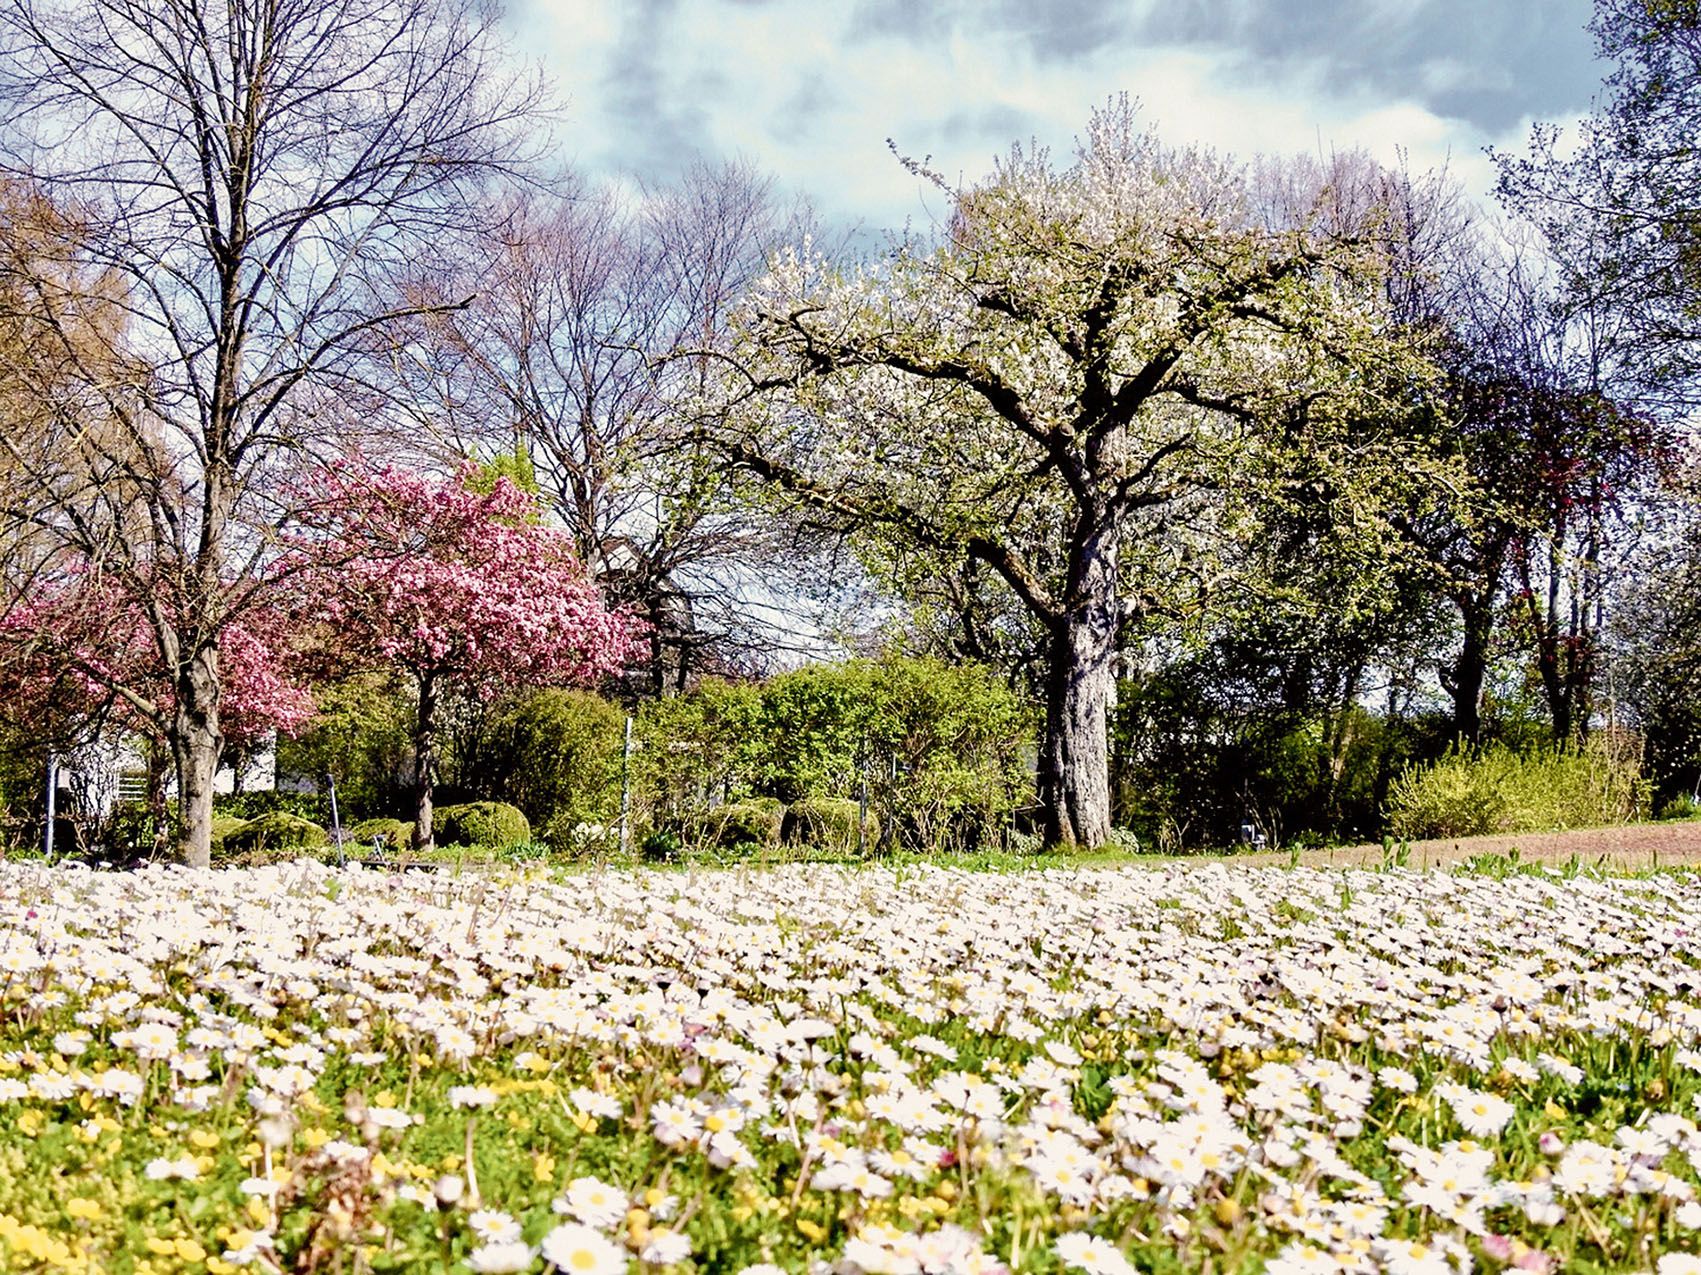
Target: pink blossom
{"points": [[450, 584]]}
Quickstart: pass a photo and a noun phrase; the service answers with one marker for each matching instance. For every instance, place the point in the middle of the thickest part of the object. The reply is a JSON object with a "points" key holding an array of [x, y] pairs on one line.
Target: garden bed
{"points": [[1202, 1067]]}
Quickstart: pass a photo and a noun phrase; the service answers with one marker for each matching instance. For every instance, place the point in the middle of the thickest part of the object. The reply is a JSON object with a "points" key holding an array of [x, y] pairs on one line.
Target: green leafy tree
{"points": [[1091, 385]]}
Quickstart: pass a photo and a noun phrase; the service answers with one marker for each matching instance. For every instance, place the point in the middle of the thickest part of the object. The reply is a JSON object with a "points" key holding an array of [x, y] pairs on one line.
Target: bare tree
{"points": [[567, 356], [250, 172]]}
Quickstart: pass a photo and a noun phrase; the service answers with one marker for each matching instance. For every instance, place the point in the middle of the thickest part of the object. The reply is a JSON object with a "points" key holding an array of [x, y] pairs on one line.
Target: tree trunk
{"points": [[1340, 741], [195, 746], [1080, 682], [1469, 672], [424, 762]]}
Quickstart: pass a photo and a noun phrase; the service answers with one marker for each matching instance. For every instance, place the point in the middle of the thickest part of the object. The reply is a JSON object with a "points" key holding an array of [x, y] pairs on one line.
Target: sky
{"points": [[810, 91]]}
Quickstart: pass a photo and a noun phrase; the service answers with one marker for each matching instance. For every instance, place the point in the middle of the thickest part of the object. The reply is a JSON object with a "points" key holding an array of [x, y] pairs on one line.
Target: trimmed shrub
{"points": [[1499, 790], [480, 823], [397, 834], [274, 832], [827, 823], [225, 826], [312, 806], [739, 823]]}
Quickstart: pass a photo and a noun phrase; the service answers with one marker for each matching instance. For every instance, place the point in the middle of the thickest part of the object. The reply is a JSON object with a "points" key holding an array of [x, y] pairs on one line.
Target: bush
{"points": [[1500, 790], [481, 823], [943, 750], [362, 734], [695, 747], [953, 738], [555, 754], [828, 823], [223, 827], [312, 806], [814, 727], [273, 833], [741, 823], [1682, 806], [393, 834], [567, 834]]}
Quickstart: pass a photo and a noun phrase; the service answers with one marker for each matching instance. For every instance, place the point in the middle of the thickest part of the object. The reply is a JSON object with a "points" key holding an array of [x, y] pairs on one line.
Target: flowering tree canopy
{"points": [[81, 652], [452, 586], [1097, 385]]}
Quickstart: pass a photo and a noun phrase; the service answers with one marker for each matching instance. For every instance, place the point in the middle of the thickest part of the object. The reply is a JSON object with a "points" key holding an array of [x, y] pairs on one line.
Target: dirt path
{"points": [[1648, 845]]}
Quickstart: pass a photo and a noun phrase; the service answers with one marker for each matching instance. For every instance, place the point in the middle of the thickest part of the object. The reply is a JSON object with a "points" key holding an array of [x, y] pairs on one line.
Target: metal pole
{"points": [[52, 806], [336, 819], [626, 790], [862, 817]]}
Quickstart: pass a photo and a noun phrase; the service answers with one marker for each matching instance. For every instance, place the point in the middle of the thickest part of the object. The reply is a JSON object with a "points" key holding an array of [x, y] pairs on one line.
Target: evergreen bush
{"points": [[480, 823], [274, 833], [393, 834]]}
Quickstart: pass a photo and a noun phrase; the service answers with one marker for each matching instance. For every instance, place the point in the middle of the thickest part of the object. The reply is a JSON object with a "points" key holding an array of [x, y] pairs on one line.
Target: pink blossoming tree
{"points": [[80, 653], [453, 587]]}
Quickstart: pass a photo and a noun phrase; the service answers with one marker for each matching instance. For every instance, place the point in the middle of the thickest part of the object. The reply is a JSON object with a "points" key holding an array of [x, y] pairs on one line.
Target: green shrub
{"points": [[814, 728], [312, 806], [567, 834], [396, 834], [947, 744], [223, 827], [941, 749], [480, 823], [276, 832], [739, 823], [1683, 806], [362, 734], [1123, 841], [1500, 790], [694, 748], [828, 823], [555, 754]]}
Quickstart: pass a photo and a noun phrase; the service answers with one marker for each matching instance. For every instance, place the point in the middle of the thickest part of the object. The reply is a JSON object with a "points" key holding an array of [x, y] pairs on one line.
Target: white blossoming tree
{"points": [[1095, 384]]}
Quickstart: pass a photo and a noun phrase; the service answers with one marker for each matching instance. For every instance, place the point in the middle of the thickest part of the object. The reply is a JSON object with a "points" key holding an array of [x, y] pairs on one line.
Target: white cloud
{"points": [[788, 84]]}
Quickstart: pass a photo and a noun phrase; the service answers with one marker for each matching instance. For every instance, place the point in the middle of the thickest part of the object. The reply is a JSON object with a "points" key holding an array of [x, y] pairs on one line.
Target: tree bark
{"points": [[424, 762], [1074, 786], [196, 744], [1470, 671]]}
